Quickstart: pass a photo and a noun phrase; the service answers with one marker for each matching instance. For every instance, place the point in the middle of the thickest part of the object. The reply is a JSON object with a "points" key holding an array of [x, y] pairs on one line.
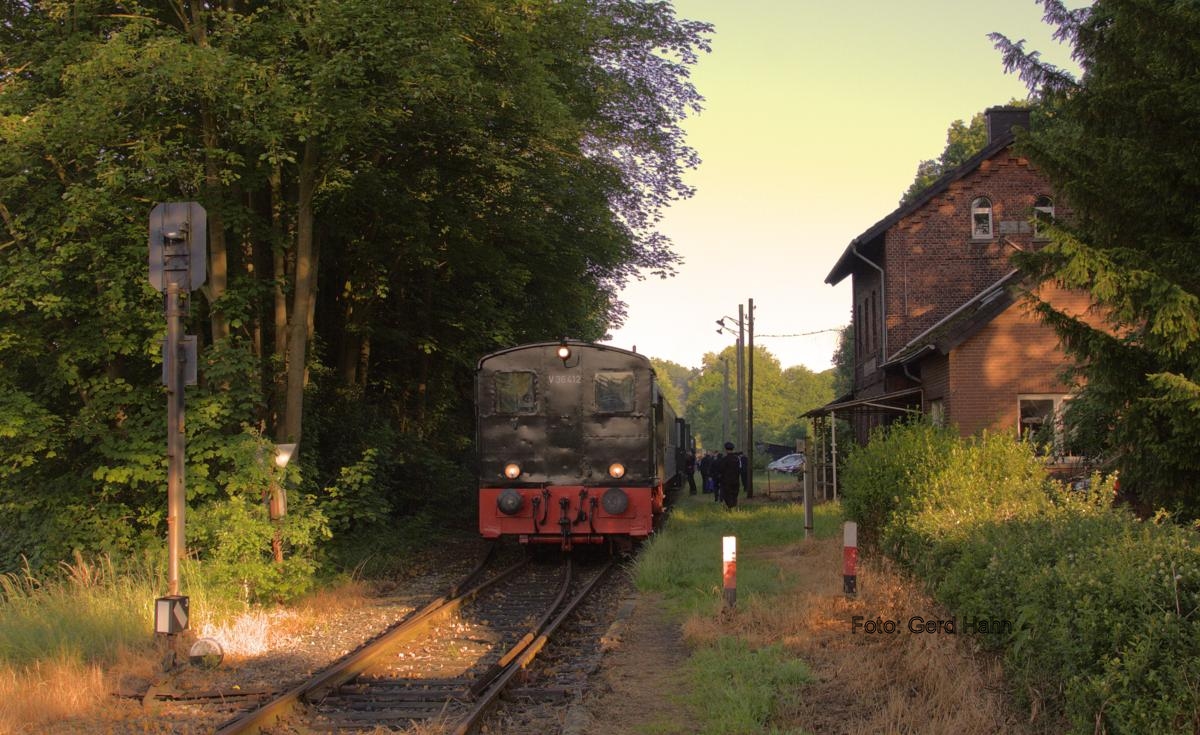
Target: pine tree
{"points": [[1118, 143]]}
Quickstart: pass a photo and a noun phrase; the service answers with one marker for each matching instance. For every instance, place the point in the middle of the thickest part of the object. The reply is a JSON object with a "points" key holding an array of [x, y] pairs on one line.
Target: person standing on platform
{"points": [[689, 469], [729, 475], [706, 480]]}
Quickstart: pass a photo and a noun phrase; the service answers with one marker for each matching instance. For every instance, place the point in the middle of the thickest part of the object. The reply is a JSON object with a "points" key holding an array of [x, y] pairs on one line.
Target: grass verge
{"points": [[787, 659]]}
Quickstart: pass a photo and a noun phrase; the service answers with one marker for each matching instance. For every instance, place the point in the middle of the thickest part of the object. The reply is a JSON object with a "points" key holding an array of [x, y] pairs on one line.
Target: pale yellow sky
{"points": [[817, 113]]}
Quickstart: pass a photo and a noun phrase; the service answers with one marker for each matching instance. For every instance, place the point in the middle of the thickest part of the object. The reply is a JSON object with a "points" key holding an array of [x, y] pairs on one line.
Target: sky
{"points": [[815, 118]]}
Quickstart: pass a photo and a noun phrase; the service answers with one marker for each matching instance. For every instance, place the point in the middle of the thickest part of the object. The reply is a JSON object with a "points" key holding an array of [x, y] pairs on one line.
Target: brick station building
{"points": [[940, 327]]}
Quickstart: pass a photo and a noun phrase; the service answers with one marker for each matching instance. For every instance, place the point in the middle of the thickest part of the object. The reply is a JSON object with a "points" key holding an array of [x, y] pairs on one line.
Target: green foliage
{"points": [[962, 141], [476, 175], [1115, 144], [1101, 606], [883, 478], [843, 362], [231, 535], [1103, 609], [780, 397], [674, 379]]}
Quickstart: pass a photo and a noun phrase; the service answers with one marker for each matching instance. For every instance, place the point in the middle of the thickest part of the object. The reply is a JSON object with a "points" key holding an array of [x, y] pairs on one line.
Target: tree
{"points": [[1117, 143], [843, 362], [780, 397], [673, 378], [394, 189], [962, 142]]}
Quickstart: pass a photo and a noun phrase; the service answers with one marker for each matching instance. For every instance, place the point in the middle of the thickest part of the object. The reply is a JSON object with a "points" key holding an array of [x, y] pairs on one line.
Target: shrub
{"points": [[1104, 609], [880, 479]]}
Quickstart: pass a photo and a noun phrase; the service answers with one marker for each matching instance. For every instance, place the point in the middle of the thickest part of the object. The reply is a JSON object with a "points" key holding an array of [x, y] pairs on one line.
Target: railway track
{"points": [[444, 667]]}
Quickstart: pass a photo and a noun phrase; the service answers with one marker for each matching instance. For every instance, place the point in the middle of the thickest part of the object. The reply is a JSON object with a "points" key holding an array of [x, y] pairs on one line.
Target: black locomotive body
{"points": [[576, 444]]}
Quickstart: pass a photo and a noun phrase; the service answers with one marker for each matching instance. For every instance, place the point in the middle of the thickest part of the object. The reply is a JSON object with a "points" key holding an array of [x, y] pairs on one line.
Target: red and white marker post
{"points": [[729, 558], [850, 558]]}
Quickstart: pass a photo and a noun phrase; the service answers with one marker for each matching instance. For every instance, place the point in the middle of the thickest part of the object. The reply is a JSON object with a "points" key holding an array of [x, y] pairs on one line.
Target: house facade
{"points": [[940, 326]]}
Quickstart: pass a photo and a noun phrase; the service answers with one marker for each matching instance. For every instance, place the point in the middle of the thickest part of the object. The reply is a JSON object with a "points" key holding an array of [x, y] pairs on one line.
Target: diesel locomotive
{"points": [[576, 445]]}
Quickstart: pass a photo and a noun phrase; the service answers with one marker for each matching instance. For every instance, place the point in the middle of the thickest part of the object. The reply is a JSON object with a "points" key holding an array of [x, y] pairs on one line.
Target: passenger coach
{"points": [[576, 445]]}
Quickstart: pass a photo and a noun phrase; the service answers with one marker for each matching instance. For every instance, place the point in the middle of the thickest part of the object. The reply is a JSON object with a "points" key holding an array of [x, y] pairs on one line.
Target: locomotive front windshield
{"points": [[614, 391], [565, 421], [516, 392]]}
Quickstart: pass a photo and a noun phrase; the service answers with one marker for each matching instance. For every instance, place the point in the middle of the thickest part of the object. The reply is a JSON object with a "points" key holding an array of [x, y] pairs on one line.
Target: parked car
{"points": [[790, 463]]}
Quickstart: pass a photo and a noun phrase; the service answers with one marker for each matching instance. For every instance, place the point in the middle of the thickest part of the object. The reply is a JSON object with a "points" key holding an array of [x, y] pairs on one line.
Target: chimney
{"points": [[1001, 120]]}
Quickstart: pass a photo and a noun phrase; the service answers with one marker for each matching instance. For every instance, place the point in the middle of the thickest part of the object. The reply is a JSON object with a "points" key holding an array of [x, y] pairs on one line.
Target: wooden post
{"points": [[806, 479]]}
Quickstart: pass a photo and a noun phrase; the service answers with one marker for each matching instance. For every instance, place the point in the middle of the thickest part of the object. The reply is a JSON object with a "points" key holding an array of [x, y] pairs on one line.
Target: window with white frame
{"points": [[1040, 420], [1043, 214], [981, 219]]}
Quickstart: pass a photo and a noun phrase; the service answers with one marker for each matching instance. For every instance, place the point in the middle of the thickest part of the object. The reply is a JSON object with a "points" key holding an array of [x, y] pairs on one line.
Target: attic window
{"points": [[1043, 214], [981, 219]]}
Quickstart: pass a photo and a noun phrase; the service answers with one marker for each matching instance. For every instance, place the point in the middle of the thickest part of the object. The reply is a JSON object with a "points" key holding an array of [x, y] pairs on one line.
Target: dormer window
{"points": [[1043, 215], [981, 219]]}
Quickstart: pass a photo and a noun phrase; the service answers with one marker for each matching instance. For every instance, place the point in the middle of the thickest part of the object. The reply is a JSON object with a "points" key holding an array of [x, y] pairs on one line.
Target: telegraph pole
{"points": [[724, 403], [741, 379], [750, 405]]}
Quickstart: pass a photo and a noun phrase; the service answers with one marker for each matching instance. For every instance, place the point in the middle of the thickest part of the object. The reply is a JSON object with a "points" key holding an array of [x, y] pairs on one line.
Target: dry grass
{"points": [[53, 692], [258, 631], [905, 682], [48, 691]]}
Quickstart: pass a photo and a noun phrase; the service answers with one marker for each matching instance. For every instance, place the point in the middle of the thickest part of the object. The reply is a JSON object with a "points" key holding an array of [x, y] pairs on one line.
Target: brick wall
{"points": [[934, 265], [1013, 355]]}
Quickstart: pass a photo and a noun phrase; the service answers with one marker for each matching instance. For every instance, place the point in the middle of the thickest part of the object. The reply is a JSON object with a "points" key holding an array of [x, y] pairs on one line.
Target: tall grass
{"points": [[58, 632], [88, 612]]}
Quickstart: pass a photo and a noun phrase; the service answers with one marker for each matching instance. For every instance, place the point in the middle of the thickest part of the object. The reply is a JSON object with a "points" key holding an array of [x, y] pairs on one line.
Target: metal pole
{"points": [[750, 406], [741, 381], [175, 429], [833, 449]]}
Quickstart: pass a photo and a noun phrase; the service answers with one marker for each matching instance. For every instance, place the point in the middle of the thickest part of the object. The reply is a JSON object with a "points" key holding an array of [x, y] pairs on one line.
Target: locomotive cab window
{"points": [[516, 392], [614, 391]]}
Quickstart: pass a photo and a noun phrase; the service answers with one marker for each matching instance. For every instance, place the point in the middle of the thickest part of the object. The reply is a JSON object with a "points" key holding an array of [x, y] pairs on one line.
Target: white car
{"points": [[790, 463]]}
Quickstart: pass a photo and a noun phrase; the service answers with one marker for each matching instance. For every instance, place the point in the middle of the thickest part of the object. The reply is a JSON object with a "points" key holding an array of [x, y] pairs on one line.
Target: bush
{"points": [[915, 487], [1104, 609], [881, 478]]}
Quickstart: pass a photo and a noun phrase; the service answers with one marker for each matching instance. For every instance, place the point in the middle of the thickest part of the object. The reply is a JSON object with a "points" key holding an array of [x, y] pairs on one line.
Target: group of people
{"points": [[723, 475]]}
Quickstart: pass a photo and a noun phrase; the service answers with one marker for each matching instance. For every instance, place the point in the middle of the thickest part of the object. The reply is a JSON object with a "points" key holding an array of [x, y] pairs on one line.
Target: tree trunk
{"points": [[297, 335], [218, 268], [279, 270]]}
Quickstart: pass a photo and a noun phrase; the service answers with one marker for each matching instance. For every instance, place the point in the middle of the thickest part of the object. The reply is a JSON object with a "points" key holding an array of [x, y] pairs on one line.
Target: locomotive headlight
{"points": [[615, 501], [616, 470], [564, 352], [512, 470], [509, 502]]}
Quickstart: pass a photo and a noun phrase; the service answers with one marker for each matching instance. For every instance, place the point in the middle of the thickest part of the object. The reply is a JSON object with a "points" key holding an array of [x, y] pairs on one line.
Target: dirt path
{"points": [[637, 689]]}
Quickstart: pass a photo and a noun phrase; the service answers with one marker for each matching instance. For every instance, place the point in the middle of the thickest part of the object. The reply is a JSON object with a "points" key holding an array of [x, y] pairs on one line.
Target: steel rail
{"points": [[529, 648], [351, 666]]}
